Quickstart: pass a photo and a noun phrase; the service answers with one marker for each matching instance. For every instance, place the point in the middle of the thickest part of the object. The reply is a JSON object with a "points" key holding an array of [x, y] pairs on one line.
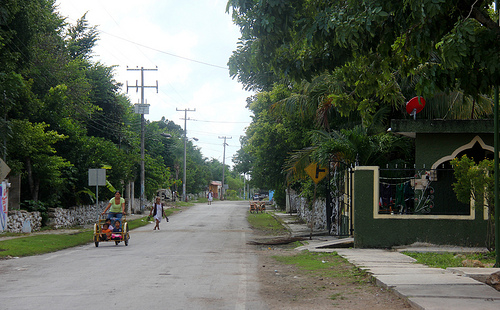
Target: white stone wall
{"points": [[317, 216], [18, 218], [59, 217], [81, 215]]}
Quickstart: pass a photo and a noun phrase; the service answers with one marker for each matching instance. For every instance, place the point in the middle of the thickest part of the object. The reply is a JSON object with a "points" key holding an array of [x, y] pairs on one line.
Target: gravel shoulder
{"points": [[286, 286]]}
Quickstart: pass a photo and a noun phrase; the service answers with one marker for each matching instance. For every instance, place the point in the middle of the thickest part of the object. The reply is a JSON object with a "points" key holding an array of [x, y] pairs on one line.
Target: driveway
{"points": [[199, 260]]}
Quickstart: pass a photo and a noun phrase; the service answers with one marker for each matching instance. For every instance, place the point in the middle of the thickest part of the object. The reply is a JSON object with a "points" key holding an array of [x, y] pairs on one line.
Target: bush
{"points": [[231, 195]]}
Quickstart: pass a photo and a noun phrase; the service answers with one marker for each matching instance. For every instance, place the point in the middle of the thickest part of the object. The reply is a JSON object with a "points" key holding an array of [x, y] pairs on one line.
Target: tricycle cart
{"points": [[116, 237], [257, 206]]}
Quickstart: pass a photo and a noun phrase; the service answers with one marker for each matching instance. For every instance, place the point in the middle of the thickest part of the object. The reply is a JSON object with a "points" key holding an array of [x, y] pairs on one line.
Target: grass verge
{"points": [[46, 243], [266, 223], [171, 211], [181, 204], [445, 260], [326, 265]]}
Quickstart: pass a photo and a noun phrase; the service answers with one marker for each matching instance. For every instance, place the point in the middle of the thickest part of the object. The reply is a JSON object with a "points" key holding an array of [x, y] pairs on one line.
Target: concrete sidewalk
{"points": [[423, 287]]}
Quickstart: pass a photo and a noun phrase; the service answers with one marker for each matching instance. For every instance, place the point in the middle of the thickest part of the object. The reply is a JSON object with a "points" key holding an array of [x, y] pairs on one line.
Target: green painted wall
{"points": [[429, 148], [385, 233]]}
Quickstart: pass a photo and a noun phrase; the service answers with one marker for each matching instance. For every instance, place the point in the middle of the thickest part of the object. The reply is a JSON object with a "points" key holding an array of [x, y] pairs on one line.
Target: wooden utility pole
{"points": [[185, 141], [142, 109], [223, 165]]}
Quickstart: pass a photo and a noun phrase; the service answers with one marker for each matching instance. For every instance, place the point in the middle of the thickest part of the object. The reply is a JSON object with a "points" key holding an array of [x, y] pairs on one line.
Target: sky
{"points": [[189, 42]]}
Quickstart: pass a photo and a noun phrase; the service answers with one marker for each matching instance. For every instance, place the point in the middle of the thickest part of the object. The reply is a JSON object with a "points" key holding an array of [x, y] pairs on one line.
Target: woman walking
{"points": [[210, 197], [157, 212]]}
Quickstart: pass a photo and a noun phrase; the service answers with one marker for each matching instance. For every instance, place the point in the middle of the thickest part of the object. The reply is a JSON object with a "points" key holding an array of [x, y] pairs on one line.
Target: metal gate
{"points": [[339, 209]]}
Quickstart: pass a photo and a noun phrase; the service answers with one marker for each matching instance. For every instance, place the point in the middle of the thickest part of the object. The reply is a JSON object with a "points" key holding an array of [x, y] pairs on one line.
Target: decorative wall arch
{"points": [[464, 147]]}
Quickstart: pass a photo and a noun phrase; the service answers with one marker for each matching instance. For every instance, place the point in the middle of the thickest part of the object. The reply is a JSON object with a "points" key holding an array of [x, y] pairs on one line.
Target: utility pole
{"points": [[496, 140], [223, 165], [142, 109], [185, 141]]}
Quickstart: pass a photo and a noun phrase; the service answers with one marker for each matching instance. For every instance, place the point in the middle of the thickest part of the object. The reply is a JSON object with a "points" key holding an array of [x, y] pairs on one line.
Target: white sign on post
{"points": [[97, 177], [141, 108]]}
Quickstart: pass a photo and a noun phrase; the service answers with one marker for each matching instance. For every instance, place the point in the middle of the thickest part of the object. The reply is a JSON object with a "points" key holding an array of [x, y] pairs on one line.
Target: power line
{"points": [[222, 122], [166, 53]]}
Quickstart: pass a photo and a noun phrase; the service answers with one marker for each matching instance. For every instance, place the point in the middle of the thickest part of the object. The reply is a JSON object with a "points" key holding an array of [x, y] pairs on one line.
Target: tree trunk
{"points": [[34, 186]]}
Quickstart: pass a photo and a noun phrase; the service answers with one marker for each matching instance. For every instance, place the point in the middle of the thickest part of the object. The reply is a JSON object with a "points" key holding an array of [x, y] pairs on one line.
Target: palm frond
{"points": [[297, 162]]}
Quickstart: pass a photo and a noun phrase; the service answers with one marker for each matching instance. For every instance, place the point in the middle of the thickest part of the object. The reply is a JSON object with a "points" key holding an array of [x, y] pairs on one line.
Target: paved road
{"points": [[199, 260]]}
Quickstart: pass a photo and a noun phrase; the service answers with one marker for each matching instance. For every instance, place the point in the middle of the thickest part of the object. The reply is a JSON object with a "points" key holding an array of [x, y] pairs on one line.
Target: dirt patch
{"points": [[286, 286]]}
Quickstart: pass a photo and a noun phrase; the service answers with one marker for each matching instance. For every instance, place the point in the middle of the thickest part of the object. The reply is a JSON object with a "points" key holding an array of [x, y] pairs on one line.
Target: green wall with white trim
{"points": [[371, 232]]}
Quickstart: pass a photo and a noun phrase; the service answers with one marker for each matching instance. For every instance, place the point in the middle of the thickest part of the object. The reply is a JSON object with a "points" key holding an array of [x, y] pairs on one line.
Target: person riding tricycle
{"points": [[112, 227]]}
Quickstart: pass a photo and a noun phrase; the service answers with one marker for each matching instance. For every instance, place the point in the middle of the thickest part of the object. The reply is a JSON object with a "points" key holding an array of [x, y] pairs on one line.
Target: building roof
{"points": [[410, 127]]}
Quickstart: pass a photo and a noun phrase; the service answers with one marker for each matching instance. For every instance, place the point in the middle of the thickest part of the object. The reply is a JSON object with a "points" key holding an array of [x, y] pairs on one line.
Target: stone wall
{"points": [[81, 215], [19, 220], [84, 215], [317, 216], [22, 221]]}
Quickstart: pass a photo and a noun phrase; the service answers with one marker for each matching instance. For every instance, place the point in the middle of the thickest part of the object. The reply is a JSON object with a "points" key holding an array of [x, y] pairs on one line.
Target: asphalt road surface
{"points": [[199, 260]]}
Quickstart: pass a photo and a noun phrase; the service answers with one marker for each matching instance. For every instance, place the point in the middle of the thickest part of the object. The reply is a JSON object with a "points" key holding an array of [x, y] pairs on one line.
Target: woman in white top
{"points": [[157, 212], [210, 197]]}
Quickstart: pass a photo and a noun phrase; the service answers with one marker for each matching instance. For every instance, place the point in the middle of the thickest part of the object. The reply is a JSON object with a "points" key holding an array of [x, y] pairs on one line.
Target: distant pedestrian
{"points": [[157, 212], [210, 197]]}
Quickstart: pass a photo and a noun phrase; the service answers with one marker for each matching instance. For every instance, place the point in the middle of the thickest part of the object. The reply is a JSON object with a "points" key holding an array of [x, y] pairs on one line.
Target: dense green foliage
{"points": [[62, 113], [330, 75], [476, 182], [451, 43]]}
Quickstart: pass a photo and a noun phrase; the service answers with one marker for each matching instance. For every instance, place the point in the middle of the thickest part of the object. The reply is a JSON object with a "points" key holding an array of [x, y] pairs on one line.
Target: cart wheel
{"points": [[96, 238], [126, 236]]}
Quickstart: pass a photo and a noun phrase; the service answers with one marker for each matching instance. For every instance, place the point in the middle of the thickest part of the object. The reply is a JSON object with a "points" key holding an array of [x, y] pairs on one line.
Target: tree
{"points": [[242, 160], [476, 181], [81, 39], [33, 145], [49, 81], [270, 138], [451, 43], [198, 174], [442, 44], [109, 118], [234, 184], [170, 153], [351, 63]]}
